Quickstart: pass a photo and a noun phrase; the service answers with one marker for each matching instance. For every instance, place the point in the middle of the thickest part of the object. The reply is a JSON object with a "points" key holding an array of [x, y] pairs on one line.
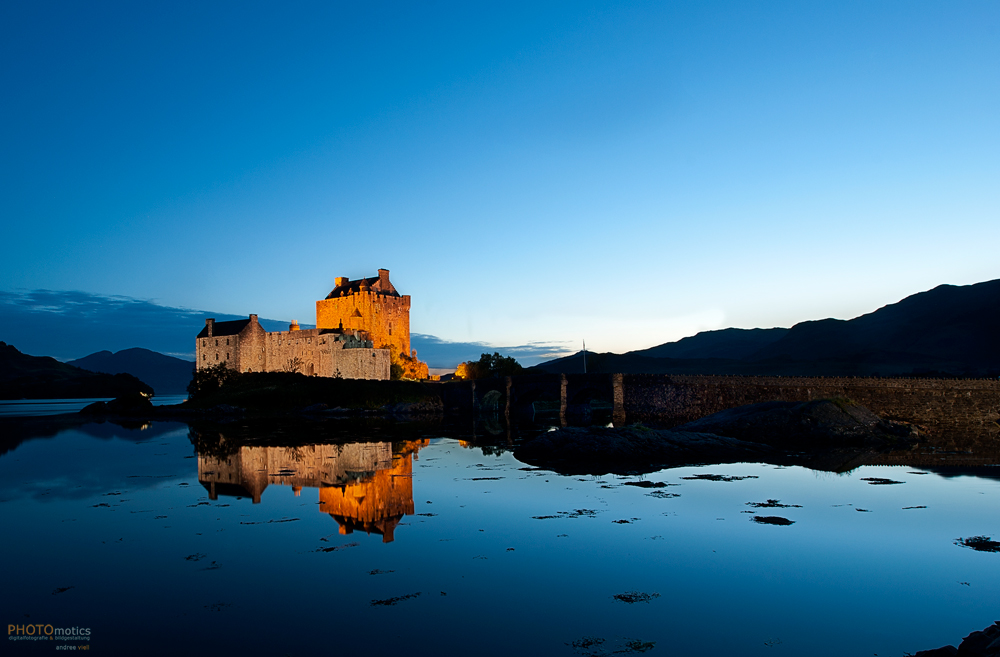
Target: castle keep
{"points": [[371, 305], [362, 326]]}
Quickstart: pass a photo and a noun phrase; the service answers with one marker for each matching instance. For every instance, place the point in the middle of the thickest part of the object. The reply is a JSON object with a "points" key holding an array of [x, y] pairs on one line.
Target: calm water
{"points": [[39, 407], [171, 540]]}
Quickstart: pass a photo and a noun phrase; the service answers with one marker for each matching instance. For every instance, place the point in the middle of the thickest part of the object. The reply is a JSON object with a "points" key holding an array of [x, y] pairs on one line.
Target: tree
{"points": [[489, 366], [209, 379]]}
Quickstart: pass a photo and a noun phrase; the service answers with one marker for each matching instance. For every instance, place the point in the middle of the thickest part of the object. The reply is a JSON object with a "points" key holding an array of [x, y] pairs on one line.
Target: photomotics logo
{"points": [[47, 632]]}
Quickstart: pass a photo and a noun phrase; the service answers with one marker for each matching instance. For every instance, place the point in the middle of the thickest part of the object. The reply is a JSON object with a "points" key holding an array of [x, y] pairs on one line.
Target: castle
{"points": [[362, 329]]}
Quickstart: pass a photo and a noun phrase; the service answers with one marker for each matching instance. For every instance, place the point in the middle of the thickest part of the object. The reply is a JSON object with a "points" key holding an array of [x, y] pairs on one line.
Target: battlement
{"points": [[372, 305]]}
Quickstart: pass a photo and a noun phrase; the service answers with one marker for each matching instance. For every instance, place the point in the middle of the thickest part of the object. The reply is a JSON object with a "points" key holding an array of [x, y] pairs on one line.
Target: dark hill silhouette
{"points": [[40, 377], [956, 327], [731, 343], [948, 331], [167, 375]]}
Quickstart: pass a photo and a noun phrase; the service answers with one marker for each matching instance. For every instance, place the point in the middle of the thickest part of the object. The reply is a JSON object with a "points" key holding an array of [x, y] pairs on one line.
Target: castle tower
{"points": [[368, 304]]}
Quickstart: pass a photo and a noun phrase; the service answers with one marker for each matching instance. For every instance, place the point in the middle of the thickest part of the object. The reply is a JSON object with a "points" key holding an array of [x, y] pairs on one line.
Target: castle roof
{"points": [[353, 287], [225, 328]]}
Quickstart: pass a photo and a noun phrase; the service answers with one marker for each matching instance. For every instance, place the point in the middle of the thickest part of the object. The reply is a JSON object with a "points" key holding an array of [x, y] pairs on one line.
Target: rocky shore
{"points": [[600, 450]]}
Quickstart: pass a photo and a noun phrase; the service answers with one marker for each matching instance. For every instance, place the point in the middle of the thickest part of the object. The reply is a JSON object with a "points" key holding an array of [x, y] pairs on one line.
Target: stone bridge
{"points": [[968, 406]]}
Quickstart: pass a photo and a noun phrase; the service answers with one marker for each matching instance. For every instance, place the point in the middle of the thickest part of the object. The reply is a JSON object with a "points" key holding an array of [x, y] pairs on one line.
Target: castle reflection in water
{"points": [[363, 486]]}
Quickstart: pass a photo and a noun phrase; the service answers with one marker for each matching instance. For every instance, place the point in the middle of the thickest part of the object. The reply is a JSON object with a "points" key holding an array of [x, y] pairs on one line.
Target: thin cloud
{"points": [[73, 324], [438, 353]]}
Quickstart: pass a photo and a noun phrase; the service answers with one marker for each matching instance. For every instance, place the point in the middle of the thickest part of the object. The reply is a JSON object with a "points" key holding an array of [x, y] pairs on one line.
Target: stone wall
{"points": [[251, 356], [339, 361], [212, 351], [294, 351], [242, 352], [945, 404], [312, 352]]}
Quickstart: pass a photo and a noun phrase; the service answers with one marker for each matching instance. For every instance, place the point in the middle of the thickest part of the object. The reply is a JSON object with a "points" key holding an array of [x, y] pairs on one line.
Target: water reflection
{"points": [[362, 486], [672, 557], [375, 503]]}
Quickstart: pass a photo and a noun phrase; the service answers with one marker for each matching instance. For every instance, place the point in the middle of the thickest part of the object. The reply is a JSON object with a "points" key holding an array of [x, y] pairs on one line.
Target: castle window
{"points": [[216, 343], [216, 356], [227, 355], [227, 340], [204, 356]]}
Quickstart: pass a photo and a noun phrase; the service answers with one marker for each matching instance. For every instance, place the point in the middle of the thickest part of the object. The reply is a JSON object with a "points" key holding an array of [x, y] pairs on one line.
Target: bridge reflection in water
{"points": [[363, 486]]}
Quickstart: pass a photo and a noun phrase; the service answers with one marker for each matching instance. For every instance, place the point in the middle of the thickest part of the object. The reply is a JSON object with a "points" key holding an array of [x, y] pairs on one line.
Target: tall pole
{"points": [[584, 356]]}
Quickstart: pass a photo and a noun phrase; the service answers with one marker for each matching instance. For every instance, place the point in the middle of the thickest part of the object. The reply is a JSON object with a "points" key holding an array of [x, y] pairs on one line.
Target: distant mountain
{"points": [[167, 375], [948, 331], [40, 377]]}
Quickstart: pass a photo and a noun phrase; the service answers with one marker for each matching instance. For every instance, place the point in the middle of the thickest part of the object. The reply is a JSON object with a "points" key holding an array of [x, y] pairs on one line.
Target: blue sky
{"points": [[624, 173]]}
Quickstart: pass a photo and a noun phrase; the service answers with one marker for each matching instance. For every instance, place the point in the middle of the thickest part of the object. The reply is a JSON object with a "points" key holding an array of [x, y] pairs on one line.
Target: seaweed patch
{"points": [[772, 520], [979, 543], [716, 477]]}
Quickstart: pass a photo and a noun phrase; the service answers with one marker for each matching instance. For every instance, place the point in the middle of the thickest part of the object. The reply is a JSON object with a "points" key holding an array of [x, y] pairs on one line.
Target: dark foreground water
{"points": [[162, 539]]}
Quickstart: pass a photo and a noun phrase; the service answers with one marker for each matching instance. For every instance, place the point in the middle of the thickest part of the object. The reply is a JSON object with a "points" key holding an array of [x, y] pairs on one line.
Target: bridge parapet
{"points": [[965, 405]]}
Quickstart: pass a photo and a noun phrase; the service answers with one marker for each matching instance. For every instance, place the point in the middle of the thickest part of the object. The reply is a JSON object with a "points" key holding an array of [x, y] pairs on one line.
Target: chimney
{"points": [[294, 326], [210, 325], [253, 319], [340, 280], [383, 278]]}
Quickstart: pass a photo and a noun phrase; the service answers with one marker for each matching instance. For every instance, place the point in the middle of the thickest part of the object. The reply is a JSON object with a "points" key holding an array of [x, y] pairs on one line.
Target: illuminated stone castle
{"points": [[362, 328]]}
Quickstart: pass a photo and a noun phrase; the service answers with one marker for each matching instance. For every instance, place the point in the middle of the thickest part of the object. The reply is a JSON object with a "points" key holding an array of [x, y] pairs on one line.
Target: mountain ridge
{"points": [[948, 330], [167, 374]]}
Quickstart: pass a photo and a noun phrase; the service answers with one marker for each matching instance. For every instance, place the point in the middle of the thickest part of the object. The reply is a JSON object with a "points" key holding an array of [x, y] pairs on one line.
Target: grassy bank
{"points": [[283, 391]]}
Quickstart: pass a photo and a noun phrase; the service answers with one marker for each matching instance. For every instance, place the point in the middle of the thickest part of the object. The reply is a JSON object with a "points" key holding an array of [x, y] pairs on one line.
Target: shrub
{"points": [[489, 366]]}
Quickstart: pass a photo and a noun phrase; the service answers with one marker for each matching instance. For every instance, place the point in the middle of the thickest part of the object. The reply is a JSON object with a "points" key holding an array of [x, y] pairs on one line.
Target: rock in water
{"points": [[985, 643], [947, 651], [599, 450], [816, 424], [134, 403]]}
